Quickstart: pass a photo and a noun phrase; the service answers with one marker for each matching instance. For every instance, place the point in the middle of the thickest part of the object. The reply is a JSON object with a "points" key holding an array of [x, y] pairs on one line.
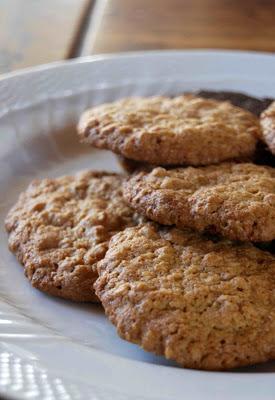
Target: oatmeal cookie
{"points": [[204, 304], [253, 104], [60, 228], [234, 200], [185, 130], [268, 126]]}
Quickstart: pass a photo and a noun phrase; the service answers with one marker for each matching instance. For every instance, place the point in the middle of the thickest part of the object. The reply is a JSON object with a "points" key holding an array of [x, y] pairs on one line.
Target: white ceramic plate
{"points": [[53, 349]]}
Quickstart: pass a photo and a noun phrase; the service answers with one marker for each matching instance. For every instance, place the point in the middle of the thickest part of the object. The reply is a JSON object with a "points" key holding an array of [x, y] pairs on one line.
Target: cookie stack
{"points": [[180, 252]]}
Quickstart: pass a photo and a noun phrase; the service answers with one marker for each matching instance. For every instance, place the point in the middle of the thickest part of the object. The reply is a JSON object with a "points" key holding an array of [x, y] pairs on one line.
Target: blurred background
{"points": [[34, 32]]}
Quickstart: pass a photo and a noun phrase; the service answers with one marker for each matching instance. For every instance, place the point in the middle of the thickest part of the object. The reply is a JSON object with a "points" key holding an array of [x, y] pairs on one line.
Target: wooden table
{"points": [[37, 31]]}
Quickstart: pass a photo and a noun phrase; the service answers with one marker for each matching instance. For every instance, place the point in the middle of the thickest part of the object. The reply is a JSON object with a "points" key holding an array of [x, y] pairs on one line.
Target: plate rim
{"points": [[131, 54]]}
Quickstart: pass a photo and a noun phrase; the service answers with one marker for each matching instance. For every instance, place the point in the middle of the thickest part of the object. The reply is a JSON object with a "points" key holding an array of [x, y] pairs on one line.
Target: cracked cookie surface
{"points": [[267, 120], [204, 304], [60, 228], [185, 130], [234, 200], [255, 105]]}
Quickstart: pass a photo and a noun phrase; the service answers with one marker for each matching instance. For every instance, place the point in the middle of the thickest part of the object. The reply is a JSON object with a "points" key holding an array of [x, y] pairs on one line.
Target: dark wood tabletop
{"points": [[37, 31]]}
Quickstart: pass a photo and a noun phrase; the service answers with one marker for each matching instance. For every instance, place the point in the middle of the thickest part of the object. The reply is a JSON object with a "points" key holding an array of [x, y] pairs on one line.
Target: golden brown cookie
{"points": [[255, 105], [203, 304], [60, 228], [267, 120], [171, 131], [234, 200]]}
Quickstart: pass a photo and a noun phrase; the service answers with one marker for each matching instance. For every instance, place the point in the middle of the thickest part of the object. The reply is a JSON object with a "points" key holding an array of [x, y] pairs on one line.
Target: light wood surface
{"points": [[184, 24], [38, 31]]}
